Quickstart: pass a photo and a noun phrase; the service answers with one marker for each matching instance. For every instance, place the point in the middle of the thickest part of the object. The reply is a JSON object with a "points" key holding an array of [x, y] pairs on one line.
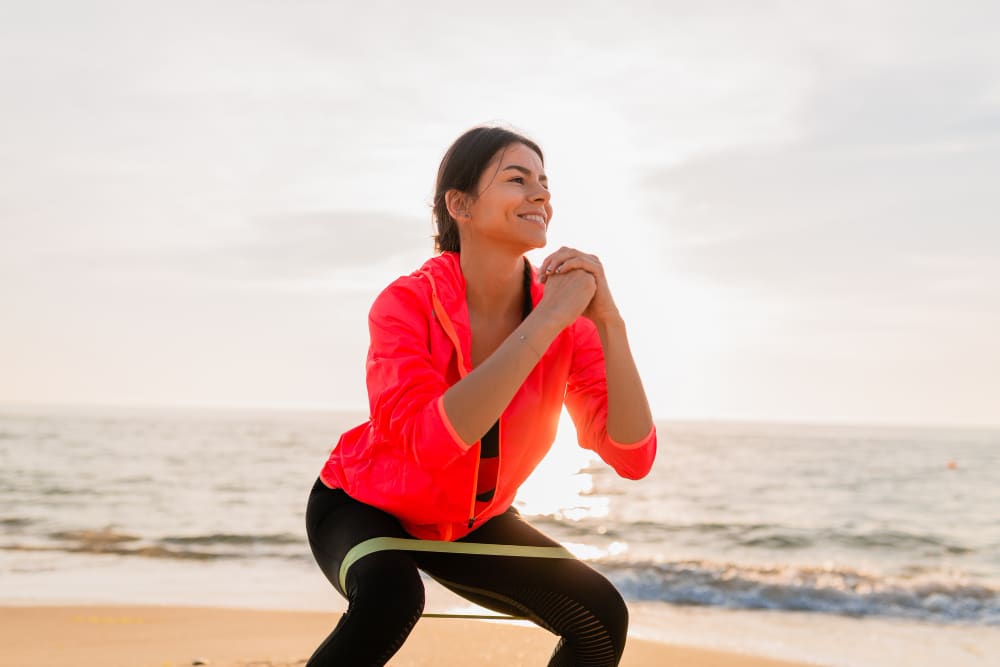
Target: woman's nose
{"points": [[540, 194]]}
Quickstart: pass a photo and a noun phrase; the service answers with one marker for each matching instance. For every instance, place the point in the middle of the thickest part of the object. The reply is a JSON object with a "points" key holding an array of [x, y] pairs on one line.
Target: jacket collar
{"points": [[446, 269], [448, 282]]}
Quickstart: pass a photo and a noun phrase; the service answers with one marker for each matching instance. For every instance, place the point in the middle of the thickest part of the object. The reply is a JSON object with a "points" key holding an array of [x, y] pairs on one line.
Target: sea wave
{"points": [[109, 541], [918, 593], [846, 592], [766, 537], [15, 521], [234, 539]]}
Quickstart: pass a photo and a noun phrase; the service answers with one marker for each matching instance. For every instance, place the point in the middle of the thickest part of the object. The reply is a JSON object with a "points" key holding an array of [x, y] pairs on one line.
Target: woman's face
{"points": [[513, 206]]}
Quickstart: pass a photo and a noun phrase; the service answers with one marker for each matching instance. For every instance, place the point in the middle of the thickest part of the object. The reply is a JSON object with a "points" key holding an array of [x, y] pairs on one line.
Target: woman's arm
{"points": [[594, 393], [475, 402], [629, 417]]}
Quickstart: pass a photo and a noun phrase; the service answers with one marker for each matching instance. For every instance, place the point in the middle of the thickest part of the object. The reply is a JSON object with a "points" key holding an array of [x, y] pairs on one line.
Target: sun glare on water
{"points": [[558, 488]]}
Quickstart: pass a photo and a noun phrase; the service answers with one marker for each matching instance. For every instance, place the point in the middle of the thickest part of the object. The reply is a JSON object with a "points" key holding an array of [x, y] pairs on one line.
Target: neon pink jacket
{"points": [[407, 458]]}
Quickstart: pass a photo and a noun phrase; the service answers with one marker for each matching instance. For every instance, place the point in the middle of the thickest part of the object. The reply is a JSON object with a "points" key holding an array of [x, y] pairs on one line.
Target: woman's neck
{"points": [[494, 282]]}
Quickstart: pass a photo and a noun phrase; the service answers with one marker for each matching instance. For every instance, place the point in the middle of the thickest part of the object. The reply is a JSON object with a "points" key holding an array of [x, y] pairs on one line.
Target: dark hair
{"points": [[460, 169]]}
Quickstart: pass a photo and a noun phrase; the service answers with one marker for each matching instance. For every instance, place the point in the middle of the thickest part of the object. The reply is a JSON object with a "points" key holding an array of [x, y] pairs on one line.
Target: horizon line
{"points": [[6, 405]]}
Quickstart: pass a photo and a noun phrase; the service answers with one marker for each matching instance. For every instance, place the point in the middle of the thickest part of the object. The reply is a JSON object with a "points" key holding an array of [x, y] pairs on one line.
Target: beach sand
{"points": [[151, 636]]}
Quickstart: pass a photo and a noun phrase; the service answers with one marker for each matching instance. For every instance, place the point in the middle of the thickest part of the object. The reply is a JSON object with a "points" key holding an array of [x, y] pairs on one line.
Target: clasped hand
{"points": [[575, 281]]}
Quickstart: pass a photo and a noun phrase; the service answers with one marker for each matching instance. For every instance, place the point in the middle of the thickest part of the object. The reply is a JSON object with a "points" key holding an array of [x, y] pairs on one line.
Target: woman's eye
{"points": [[517, 179]]}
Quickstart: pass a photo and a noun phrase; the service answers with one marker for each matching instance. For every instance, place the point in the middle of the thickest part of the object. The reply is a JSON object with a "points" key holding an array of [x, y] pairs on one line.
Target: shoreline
{"points": [[175, 636]]}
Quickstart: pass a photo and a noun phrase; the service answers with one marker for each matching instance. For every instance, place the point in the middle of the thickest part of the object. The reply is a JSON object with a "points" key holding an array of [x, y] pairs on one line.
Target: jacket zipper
{"points": [[449, 330], [475, 486], [475, 483]]}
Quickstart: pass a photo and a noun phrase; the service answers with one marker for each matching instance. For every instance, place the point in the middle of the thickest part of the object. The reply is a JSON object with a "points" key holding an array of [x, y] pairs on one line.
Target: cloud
{"points": [[933, 105], [321, 241], [313, 247], [893, 166]]}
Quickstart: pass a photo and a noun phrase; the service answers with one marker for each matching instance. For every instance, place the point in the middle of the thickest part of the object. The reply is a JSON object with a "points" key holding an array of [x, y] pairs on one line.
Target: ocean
{"points": [[838, 545]]}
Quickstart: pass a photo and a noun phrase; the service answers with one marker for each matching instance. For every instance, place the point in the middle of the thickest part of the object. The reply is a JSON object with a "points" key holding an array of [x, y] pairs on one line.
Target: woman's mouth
{"points": [[534, 217]]}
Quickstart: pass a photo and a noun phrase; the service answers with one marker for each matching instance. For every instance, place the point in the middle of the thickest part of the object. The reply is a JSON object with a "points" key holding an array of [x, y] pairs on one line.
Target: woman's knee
{"points": [[388, 582], [607, 605], [616, 615]]}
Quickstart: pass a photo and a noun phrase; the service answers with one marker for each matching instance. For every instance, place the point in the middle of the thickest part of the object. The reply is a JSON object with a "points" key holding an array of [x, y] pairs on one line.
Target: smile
{"points": [[534, 218]]}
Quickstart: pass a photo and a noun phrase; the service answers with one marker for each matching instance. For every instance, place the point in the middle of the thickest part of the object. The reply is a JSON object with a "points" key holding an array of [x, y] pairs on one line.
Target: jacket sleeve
{"points": [[587, 403], [405, 389]]}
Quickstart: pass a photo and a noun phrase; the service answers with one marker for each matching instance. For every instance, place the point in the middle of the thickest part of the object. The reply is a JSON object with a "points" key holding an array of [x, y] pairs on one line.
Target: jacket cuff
{"points": [[633, 445], [448, 426]]}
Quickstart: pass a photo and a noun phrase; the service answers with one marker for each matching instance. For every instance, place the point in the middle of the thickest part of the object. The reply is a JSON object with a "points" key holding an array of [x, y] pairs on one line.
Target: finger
{"points": [[563, 265], [556, 258], [587, 263], [566, 276]]}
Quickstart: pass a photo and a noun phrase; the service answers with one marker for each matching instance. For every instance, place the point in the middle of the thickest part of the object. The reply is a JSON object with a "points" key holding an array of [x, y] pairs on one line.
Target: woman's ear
{"points": [[457, 203]]}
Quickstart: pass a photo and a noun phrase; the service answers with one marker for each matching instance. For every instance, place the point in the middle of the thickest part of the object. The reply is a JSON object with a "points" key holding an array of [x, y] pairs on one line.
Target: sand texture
{"points": [[150, 636]]}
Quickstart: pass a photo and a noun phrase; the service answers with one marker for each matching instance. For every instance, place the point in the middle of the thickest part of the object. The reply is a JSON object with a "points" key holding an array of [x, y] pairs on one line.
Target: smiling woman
{"points": [[460, 172], [472, 358], [511, 193]]}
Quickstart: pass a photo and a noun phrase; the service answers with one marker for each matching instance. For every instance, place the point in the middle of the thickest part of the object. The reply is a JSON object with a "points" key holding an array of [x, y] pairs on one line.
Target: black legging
{"points": [[386, 596]]}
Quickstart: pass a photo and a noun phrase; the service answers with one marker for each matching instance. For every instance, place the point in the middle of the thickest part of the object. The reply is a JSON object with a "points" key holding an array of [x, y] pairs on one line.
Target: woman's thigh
{"points": [[384, 589], [335, 523], [544, 589]]}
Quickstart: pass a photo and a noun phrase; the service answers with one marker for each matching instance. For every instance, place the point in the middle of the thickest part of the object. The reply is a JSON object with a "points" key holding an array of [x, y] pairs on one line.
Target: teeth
{"points": [[534, 218]]}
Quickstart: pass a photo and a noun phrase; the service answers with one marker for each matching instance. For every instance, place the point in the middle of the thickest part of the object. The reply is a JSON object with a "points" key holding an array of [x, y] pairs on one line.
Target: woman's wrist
{"points": [[609, 323], [537, 332], [549, 318]]}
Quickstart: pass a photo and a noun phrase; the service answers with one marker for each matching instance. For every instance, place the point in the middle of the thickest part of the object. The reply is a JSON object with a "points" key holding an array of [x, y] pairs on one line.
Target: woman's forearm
{"points": [[629, 417], [475, 402]]}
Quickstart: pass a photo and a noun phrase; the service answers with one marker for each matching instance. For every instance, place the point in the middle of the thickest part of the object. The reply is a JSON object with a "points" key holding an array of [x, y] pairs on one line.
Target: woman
{"points": [[471, 359]]}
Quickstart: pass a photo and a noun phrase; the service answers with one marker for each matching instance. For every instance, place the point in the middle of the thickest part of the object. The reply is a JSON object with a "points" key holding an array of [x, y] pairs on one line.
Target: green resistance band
{"points": [[375, 544]]}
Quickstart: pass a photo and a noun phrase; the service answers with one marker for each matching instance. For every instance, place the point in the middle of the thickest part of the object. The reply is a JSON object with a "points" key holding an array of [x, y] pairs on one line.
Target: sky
{"points": [[795, 202]]}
